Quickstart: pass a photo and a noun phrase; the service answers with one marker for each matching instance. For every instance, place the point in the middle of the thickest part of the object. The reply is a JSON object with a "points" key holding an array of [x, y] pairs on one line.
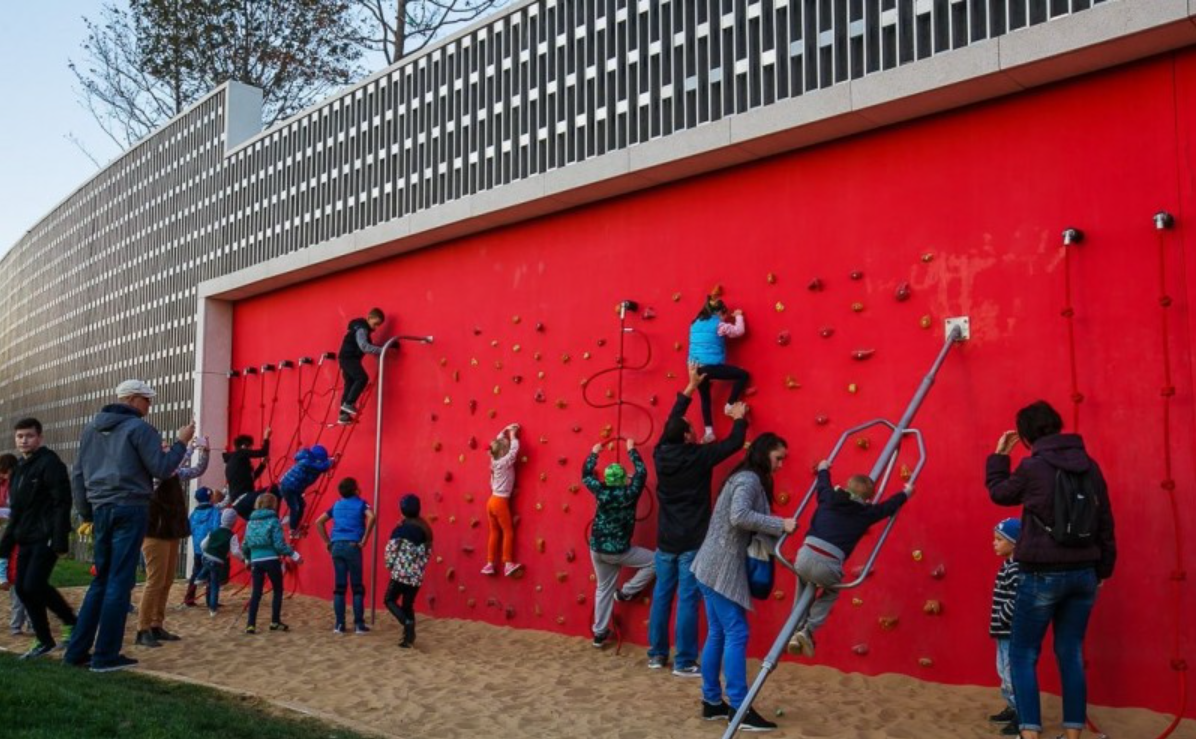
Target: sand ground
{"points": [[468, 679]]}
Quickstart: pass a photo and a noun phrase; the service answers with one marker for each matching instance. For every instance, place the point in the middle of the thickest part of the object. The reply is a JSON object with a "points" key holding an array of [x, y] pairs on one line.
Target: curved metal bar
{"points": [[378, 476]]}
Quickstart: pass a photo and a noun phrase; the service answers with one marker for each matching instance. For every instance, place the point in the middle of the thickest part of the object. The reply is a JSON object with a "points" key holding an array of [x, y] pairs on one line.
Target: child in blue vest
{"points": [[407, 555], [708, 336], [264, 549], [309, 465], [352, 522]]}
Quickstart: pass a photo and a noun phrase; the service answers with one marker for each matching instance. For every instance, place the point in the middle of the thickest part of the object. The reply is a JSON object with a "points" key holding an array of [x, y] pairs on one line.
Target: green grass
{"points": [[70, 573], [43, 699]]}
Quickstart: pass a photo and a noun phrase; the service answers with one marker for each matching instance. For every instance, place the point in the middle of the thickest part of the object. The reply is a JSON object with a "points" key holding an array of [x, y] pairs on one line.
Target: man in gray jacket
{"points": [[119, 457]]}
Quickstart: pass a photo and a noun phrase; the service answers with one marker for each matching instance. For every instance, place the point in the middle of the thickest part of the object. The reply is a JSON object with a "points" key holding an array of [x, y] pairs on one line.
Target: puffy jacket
{"points": [[309, 465], [204, 520], [684, 475], [614, 521], [1032, 486], [263, 537], [119, 457], [40, 498], [705, 345]]}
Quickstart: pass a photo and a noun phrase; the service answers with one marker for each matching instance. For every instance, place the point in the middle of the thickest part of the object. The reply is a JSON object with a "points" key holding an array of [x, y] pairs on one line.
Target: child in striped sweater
{"points": [[1005, 536]]}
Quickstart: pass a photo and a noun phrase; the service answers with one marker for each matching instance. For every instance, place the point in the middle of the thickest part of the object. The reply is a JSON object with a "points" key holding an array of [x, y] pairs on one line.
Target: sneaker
{"points": [[687, 671], [716, 711], [280, 626], [1006, 715], [405, 644], [600, 639], [708, 438], [120, 663], [251, 630], [753, 721], [623, 597], [802, 643], [339, 630], [146, 639], [212, 612], [344, 419], [85, 662], [1011, 729], [488, 569], [361, 629], [348, 410], [38, 650], [162, 634], [511, 569], [657, 662]]}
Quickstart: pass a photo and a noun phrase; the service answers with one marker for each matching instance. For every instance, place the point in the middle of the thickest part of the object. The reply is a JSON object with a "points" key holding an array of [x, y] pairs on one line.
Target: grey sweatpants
{"points": [[821, 571], [18, 619], [606, 570]]}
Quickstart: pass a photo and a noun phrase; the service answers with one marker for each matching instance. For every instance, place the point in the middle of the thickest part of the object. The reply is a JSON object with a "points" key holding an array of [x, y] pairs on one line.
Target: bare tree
{"points": [[397, 28], [147, 64]]}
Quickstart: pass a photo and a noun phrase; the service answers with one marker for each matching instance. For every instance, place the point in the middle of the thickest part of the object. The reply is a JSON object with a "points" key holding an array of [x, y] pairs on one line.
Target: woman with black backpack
{"points": [[1065, 550]]}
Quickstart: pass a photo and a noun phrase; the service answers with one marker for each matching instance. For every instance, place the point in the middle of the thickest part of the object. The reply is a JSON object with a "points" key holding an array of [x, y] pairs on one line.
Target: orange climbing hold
{"points": [[888, 623], [932, 608], [562, 576], [857, 307]]}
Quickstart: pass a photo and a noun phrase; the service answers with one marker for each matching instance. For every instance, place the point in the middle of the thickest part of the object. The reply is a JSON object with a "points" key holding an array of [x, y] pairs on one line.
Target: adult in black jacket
{"points": [[683, 490], [1059, 582], [356, 344], [40, 525]]}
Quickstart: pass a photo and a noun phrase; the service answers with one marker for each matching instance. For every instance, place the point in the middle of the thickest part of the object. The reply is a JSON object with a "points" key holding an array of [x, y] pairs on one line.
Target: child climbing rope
{"points": [[504, 450], [263, 549], [309, 465], [219, 546], [354, 347], [1000, 627], [610, 535], [406, 559], [352, 522], [708, 350], [240, 472], [843, 516]]}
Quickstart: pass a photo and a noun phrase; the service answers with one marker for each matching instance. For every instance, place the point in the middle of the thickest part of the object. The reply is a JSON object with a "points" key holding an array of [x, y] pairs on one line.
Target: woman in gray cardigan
{"points": [[742, 511]]}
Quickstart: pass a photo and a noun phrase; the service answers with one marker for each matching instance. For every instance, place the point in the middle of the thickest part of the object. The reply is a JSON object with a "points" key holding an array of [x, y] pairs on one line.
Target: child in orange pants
{"points": [[504, 450]]}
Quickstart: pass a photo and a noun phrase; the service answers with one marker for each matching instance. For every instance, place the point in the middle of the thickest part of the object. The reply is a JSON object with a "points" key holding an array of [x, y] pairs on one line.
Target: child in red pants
{"points": [[504, 450]]}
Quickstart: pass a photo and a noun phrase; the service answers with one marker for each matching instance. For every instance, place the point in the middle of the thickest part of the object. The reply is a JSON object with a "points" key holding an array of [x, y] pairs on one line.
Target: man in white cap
{"points": [[119, 457]]}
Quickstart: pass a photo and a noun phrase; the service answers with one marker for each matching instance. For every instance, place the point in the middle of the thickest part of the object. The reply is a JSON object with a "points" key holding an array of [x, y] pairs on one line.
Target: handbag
{"points": [[761, 570]]}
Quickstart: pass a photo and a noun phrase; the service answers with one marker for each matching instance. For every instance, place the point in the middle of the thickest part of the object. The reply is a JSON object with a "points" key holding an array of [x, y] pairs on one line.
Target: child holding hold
{"points": [[504, 450], [1000, 627], [240, 472], [407, 555], [708, 336], [219, 546], [309, 465], [356, 344], [263, 549], [842, 518]]}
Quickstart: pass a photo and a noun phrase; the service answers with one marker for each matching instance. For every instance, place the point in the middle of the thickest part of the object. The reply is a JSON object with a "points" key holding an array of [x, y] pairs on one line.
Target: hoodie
{"points": [[41, 504], [1032, 486], [684, 475], [119, 457]]}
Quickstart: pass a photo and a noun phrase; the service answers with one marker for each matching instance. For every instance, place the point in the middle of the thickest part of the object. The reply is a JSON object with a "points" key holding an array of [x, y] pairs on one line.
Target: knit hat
{"points": [[409, 505], [203, 495], [319, 453], [615, 475], [1010, 529], [228, 517]]}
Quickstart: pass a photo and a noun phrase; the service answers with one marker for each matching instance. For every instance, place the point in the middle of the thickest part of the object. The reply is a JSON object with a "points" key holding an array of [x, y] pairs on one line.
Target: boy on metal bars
{"points": [[356, 344]]}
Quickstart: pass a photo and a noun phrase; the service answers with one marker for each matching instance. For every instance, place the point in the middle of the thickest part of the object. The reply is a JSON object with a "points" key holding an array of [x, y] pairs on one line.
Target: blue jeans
{"points": [[1004, 673], [674, 572], [346, 562], [1064, 599], [725, 649], [119, 531], [295, 506], [259, 571], [216, 574]]}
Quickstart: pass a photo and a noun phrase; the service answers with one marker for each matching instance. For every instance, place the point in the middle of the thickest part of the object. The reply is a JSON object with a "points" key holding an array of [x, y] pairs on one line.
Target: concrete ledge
{"points": [[799, 122]]}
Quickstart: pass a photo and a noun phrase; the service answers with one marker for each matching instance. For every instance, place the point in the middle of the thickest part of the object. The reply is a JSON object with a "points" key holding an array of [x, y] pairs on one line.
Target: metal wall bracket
{"points": [[960, 322]]}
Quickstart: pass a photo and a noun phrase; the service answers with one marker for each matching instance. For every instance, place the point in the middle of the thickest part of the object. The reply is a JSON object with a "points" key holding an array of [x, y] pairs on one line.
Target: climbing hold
{"points": [[431, 601], [477, 330], [540, 544], [750, 391], [857, 275], [853, 389], [564, 507], [435, 418], [517, 379], [540, 375], [562, 576], [516, 348], [543, 439], [515, 319], [494, 343], [437, 446], [539, 588], [903, 292], [928, 257], [461, 458], [917, 555], [498, 364], [565, 358], [716, 291], [537, 610], [473, 406], [575, 488], [456, 375], [576, 429], [609, 394], [473, 361], [570, 555], [471, 602], [778, 595], [938, 573], [649, 313], [857, 307], [537, 356], [783, 498], [473, 523], [444, 361], [860, 649], [539, 396], [863, 442], [932, 608], [826, 332], [607, 430], [860, 355], [926, 662], [585, 355], [473, 442], [671, 375], [491, 413], [857, 602], [783, 338], [905, 473], [676, 297], [448, 400], [581, 599], [467, 548], [770, 278], [448, 476], [653, 400], [562, 461], [815, 285], [791, 383], [562, 404], [439, 559], [539, 505], [601, 343], [452, 519], [469, 497], [543, 477], [593, 577], [539, 327], [780, 307], [821, 420], [449, 574], [888, 623], [678, 346], [560, 620], [523, 459]]}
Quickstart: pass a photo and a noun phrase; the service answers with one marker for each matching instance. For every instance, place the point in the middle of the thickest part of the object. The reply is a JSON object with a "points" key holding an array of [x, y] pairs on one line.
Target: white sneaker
{"points": [[709, 437]]}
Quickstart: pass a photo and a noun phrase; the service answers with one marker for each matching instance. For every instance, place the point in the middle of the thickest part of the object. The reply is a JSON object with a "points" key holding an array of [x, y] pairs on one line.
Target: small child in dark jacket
{"points": [[1000, 627], [239, 470], [407, 555], [842, 518], [219, 546], [309, 465]]}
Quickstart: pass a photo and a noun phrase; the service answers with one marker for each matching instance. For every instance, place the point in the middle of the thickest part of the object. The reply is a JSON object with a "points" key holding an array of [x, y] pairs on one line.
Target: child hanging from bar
{"points": [[356, 344], [504, 450], [241, 473], [309, 465], [708, 336], [406, 559], [842, 518]]}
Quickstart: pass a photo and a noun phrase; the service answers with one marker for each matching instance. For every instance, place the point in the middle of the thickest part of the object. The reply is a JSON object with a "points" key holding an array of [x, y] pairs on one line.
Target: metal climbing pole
{"points": [[957, 331]]}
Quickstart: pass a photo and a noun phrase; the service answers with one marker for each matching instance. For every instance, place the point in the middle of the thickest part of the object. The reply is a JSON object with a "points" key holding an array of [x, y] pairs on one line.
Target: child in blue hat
{"points": [[1005, 536], [309, 465]]}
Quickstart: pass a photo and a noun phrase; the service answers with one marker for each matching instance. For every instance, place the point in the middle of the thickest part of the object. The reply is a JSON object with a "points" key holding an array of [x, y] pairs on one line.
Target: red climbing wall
{"points": [[967, 208]]}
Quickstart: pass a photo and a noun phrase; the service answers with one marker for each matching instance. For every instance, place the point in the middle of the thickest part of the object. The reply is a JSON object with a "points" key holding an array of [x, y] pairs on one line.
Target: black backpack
{"points": [[1076, 507]]}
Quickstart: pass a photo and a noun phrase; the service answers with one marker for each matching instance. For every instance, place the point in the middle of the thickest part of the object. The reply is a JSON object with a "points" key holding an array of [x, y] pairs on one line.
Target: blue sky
{"points": [[39, 165]]}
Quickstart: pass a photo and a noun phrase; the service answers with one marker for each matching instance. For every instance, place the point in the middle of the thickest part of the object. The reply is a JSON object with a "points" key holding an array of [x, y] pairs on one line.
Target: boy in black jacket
{"points": [[843, 516], [356, 344], [239, 470], [40, 524]]}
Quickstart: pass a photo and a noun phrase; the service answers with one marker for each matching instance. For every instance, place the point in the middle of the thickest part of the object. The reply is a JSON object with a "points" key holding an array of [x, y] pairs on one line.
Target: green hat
{"points": [[615, 475]]}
